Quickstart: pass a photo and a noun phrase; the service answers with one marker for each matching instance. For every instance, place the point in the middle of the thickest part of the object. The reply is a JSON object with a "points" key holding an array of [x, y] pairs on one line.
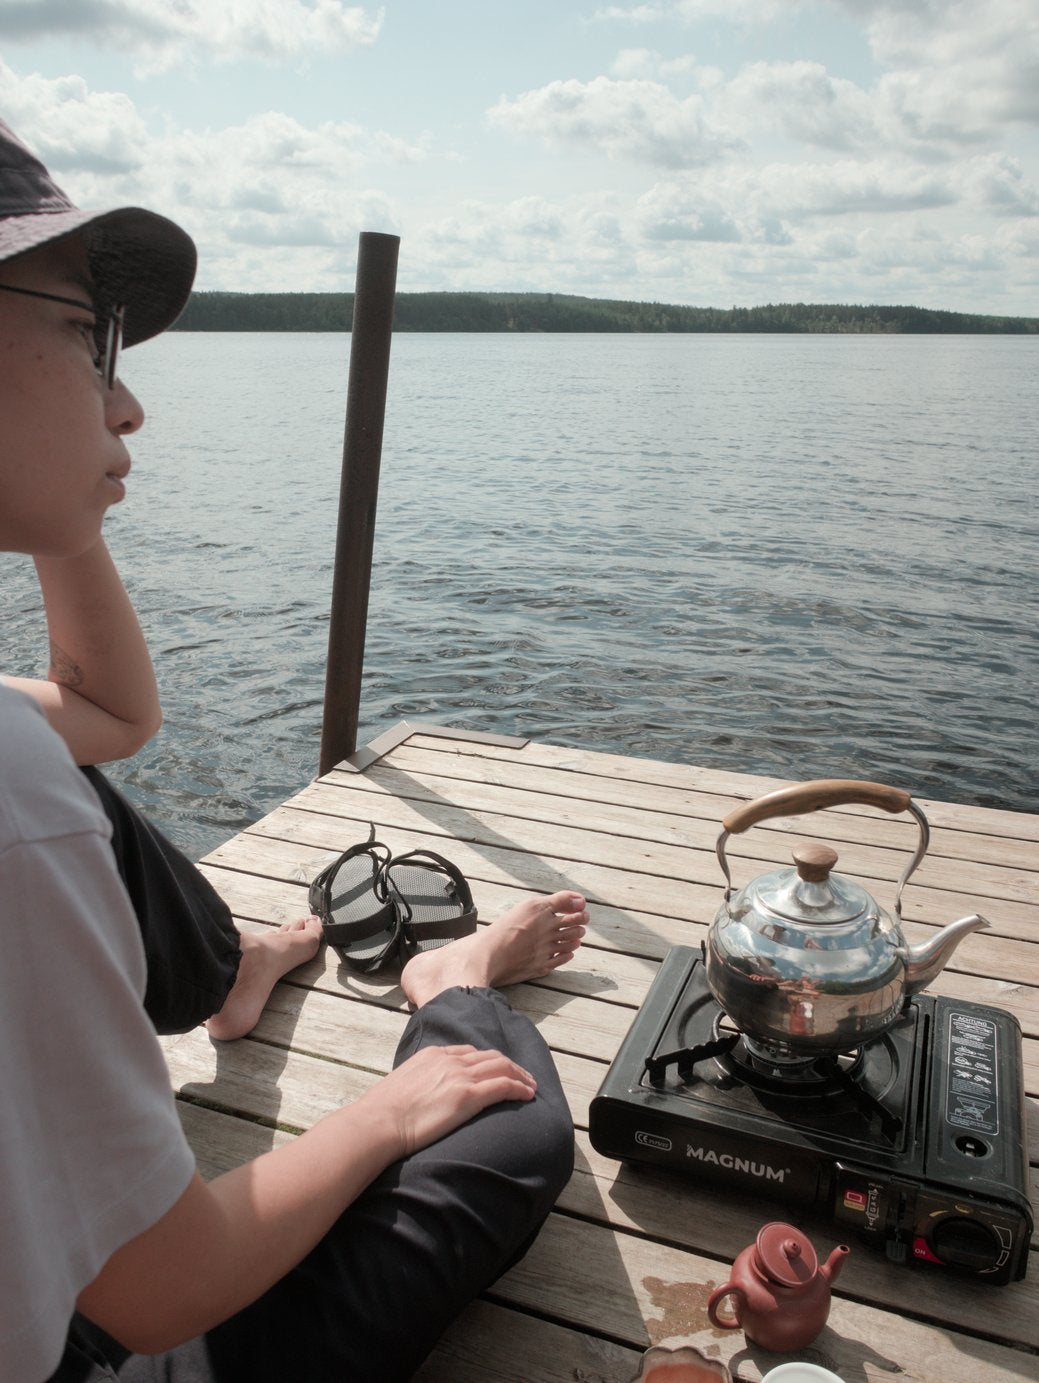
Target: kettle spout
{"points": [[831, 1269], [928, 959]]}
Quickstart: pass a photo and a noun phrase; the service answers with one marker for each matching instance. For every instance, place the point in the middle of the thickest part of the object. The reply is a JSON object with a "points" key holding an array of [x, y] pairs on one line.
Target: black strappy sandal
{"points": [[433, 899], [359, 918]]}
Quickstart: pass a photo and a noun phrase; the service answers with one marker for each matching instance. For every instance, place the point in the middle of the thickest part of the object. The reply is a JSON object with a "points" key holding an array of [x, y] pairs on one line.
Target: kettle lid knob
{"points": [[786, 1255], [814, 862]]}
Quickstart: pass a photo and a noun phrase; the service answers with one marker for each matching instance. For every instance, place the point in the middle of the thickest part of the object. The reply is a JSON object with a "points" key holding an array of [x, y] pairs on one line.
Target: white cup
{"points": [[800, 1373]]}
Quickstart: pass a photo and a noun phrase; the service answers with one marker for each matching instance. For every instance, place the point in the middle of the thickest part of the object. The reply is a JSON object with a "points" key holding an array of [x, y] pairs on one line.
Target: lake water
{"points": [[796, 555]]}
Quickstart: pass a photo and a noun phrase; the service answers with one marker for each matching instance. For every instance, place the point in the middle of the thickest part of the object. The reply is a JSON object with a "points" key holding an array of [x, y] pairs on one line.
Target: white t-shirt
{"points": [[91, 1150]]}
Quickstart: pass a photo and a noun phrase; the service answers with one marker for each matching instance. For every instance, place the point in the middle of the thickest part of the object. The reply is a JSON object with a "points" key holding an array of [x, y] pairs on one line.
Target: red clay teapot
{"points": [[781, 1295]]}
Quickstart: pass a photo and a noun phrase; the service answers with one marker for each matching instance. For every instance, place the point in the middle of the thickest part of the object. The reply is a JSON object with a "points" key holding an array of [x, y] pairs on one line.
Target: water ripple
{"points": [[803, 556]]}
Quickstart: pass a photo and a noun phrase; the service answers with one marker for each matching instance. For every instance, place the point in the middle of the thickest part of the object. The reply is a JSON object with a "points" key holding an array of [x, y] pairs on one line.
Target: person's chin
{"points": [[71, 541]]}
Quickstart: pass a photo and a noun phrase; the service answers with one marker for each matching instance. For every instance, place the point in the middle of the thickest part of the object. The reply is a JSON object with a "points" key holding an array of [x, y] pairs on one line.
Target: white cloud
{"points": [[72, 128], [572, 246], [704, 223], [934, 114], [742, 12], [916, 32], [955, 70], [715, 244], [778, 203], [844, 187], [774, 180], [1021, 240], [999, 184], [643, 62], [955, 67], [269, 182], [159, 34], [672, 211], [272, 182], [631, 14], [745, 12], [637, 120], [804, 101]]}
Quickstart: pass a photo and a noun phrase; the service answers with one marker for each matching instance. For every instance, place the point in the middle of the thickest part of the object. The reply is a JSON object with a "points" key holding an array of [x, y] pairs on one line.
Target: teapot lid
{"points": [[786, 1255], [810, 893]]}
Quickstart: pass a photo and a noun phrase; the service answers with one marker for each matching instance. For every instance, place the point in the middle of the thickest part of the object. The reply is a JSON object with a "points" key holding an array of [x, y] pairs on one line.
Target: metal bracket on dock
{"points": [[369, 754]]}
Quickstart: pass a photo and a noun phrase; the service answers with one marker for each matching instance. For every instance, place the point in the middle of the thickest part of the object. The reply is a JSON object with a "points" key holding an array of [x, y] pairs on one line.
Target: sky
{"points": [[712, 152]]}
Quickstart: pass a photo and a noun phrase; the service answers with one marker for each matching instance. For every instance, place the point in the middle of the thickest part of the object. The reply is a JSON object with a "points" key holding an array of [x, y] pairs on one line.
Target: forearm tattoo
{"points": [[63, 669]]}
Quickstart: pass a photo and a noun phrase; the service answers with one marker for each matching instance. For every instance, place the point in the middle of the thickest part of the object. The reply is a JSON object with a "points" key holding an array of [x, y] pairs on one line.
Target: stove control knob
{"points": [[965, 1243]]}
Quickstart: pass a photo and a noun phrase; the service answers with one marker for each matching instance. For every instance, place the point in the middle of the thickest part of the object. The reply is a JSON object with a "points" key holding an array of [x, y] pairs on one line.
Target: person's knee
{"points": [[546, 1153], [559, 1151]]}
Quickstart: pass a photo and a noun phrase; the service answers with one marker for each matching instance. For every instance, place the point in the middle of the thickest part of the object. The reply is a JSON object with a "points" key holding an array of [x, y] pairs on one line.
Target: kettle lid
{"points": [[809, 892], [786, 1255]]}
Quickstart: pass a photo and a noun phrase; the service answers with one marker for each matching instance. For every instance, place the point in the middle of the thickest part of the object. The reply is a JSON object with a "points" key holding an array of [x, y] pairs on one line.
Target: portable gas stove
{"points": [[916, 1140]]}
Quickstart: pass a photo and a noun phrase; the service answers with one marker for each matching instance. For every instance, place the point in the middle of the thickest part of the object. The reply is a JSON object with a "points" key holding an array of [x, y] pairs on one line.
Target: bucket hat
{"points": [[137, 258]]}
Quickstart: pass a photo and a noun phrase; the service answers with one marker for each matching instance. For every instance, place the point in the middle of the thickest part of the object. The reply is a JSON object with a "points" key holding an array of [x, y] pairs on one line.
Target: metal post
{"points": [[359, 490]]}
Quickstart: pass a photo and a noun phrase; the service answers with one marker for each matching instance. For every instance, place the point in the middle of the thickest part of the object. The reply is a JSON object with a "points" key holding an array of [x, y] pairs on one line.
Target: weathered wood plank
{"points": [[291, 1089], [663, 813], [329, 1024], [491, 1344], [729, 783], [696, 868], [456, 806], [223, 1141]]}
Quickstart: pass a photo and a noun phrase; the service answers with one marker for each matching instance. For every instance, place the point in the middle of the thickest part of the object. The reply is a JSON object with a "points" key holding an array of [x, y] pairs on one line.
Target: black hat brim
{"points": [[137, 258]]}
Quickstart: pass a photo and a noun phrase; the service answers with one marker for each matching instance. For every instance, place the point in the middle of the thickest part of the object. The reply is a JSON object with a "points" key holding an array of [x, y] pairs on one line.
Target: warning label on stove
{"points": [[972, 1093]]}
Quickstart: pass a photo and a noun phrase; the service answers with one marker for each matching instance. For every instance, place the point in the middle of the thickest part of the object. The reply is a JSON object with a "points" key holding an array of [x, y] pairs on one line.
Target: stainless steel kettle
{"points": [[804, 960]]}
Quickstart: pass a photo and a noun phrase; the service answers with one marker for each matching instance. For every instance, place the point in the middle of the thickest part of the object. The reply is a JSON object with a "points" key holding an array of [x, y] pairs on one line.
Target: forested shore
{"points": [[218, 311]]}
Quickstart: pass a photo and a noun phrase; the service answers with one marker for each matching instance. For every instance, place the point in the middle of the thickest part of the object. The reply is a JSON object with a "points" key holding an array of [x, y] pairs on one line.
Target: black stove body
{"points": [[916, 1141]]}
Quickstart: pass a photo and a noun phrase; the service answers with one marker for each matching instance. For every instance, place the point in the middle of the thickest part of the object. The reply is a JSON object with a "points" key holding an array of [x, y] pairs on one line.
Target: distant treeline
{"points": [[561, 312]]}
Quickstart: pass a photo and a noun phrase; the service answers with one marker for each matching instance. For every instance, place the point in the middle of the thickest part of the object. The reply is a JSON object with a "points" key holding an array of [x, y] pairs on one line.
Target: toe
{"points": [[566, 902]]}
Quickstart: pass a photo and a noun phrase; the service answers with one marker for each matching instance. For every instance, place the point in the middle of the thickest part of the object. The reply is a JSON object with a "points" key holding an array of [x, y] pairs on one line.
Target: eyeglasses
{"points": [[108, 330]]}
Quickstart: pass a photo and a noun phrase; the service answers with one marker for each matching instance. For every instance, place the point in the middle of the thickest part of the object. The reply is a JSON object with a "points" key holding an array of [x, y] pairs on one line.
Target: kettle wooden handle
{"points": [[812, 797]]}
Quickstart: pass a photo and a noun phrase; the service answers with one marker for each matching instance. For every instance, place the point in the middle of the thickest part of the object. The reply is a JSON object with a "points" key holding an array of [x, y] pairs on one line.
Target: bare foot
{"points": [[266, 956], [534, 937]]}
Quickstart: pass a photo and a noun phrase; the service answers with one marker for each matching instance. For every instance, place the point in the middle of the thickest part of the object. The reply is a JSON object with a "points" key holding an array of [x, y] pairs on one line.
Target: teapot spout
{"points": [[928, 959], [830, 1270]]}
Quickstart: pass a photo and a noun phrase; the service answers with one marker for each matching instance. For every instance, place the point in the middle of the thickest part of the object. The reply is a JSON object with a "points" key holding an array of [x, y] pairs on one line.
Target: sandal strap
{"points": [[319, 895], [350, 933], [447, 929], [462, 890]]}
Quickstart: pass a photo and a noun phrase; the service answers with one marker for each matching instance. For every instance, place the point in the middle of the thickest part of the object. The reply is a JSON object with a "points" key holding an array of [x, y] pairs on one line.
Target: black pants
{"points": [[190, 943], [372, 1299]]}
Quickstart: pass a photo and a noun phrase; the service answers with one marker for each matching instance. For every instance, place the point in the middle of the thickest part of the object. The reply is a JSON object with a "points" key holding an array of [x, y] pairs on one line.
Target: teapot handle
{"points": [[812, 797], [715, 1300]]}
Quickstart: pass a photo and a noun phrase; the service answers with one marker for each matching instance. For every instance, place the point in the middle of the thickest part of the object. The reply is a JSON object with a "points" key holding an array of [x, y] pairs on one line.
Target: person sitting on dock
{"points": [[345, 1252]]}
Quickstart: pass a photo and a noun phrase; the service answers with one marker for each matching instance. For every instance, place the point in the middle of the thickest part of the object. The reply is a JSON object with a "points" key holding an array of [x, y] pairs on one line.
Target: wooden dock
{"points": [[630, 1255]]}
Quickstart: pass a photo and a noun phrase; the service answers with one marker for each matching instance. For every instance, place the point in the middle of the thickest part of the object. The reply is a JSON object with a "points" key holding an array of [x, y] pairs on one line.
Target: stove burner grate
{"points": [[686, 1059], [816, 1090]]}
